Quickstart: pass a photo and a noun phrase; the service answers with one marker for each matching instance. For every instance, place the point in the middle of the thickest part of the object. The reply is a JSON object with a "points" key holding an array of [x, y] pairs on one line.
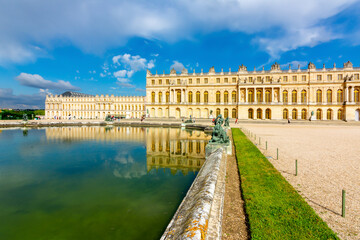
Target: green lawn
{"points": [[275, 210]]}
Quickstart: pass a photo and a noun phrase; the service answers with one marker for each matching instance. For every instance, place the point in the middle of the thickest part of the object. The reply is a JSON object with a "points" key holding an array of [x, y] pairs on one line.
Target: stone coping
{"points": [[38, 124], [199, 215]]}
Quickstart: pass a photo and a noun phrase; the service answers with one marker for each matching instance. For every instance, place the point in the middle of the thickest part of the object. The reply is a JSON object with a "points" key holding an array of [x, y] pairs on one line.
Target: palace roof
{"points": [[76, 94]]}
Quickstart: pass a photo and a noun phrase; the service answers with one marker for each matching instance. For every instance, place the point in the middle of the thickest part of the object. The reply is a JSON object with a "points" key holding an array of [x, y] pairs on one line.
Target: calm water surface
{"points": [[94, 182]]}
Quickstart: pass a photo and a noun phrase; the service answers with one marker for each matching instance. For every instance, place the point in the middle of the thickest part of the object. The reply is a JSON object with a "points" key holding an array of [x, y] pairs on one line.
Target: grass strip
{"points": [[274, 208]]}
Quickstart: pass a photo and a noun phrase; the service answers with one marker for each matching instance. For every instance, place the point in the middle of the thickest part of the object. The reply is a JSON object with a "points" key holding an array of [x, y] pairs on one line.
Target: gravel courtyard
{"points": [[328, 161]]}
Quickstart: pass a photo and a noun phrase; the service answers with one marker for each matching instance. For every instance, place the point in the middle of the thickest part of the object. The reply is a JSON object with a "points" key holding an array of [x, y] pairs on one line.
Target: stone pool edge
{"points": [[34, 124], [199, 215]]}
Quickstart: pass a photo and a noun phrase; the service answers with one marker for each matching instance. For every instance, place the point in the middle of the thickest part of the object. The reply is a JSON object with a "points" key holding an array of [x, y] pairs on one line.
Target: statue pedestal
{"points": [[211, 147]]}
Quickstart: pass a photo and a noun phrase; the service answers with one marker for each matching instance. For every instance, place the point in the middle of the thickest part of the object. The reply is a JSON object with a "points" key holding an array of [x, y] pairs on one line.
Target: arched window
{"points": [[218, 97], [197, 97], [167, 97], [190, 97], [285, 114], [251, 96], [160, 97], [294, 96], [226, 113], [340, 98], [206, 97], [259, 113], [285, 96], [329, 96], [356, 95], [294, 114], [319, 96], [218, 112], [268, 113], [303, 96], [226, 97], [251, 113], [178, 96], [234, 113], [233, 96], [152, 97], [329, 114], [318, 114], [259, 96], [267, 96], [339, 114], [303, 114]]}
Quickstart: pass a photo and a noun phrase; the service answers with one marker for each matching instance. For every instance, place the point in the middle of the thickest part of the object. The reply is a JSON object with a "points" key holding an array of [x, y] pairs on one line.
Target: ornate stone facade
{"points": [[311, 93], [317, 94], [72, 105]]}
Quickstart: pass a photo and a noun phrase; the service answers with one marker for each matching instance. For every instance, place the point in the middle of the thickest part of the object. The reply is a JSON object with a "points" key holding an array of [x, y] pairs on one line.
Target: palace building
{"points": [[73, 105], [319, 94], [311, 93]]}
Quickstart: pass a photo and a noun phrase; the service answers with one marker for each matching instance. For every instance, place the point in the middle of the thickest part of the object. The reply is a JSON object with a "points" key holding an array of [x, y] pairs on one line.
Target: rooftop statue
{"points": [[348, 64], [242, 68], [184, 71], [275, 67], [212, 70], [311, 66], [219, 134], [173, 72]]}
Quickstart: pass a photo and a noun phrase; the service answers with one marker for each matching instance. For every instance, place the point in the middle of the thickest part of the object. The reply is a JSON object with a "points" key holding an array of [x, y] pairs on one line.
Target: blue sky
{"points": [[105, 46]]}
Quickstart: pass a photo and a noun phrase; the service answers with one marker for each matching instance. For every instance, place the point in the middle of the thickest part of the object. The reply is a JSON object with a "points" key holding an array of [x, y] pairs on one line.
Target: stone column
{"points": [[280, 95], [352, 97], [272, 96], [246, 96], [263, 95], [170, 100], [346, 92]]}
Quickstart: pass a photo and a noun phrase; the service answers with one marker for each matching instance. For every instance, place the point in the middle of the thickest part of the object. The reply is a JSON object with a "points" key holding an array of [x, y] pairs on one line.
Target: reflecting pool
{"points": [[94, 182]]}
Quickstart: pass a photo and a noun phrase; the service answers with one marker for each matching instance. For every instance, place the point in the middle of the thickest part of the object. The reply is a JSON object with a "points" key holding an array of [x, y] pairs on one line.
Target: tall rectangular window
{"points": [[267, 78], [356, 76], [234, 80], [198, 81], [294, 78], [340, 77], [329, 77], [206, 80], [303, 78], [190, 81], [160, 82], [285, 78], [218, 80], [152, 82], [167, 81], [318, 77], [250, 79]]}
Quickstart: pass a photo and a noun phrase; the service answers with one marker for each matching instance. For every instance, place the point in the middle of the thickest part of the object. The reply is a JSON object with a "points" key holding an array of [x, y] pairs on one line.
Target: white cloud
{"points": [[37, 81], [293, 39], [135, 63], [155, 55], [99, 25], [102, 75], [178, 66]]}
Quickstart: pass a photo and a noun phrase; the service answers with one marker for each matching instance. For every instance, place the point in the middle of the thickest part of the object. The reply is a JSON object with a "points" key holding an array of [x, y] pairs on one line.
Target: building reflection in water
{"points": [[172, 148]]}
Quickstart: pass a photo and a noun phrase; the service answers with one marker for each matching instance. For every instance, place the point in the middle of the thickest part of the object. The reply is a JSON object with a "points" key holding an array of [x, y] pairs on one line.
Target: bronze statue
{"points": [[227, 123], [219, 134]]}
